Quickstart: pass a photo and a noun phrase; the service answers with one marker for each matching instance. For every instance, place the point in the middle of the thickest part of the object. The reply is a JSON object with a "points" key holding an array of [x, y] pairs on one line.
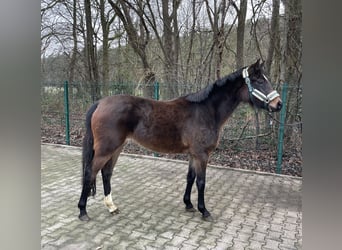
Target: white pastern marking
{"points": [[108, 201]]}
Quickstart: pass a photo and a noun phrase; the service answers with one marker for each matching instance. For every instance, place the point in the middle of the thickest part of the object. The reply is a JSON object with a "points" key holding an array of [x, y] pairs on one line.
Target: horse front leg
{"points": [[200, 164], [190, 181], [200, 183]]}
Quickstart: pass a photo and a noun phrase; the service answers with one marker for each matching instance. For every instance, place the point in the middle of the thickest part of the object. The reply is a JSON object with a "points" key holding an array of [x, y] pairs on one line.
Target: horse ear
{"points": [[259, 64]]}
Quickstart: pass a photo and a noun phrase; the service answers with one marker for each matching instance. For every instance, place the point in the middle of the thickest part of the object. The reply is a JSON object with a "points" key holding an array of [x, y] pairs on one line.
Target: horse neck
{"points": [[225, 99]]}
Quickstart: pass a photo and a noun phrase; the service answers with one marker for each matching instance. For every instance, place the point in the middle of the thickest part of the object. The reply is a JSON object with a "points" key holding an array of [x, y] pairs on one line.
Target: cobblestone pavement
{"points": [[250, 210]]}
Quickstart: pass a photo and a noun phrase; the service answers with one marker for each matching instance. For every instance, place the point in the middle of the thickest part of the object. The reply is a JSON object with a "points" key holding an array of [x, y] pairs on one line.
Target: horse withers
{"points": [[189, 124]]}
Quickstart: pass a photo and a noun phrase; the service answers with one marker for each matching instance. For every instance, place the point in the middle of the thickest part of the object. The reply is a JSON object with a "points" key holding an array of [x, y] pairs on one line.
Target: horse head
{"points": [[260, 91]]}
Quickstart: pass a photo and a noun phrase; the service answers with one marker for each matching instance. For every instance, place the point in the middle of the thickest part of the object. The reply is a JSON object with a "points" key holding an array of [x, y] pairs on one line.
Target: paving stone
{"points": [[247, 229], [167, 235], [257, 236], [177, 240], [227, 238], [223, 245], [187, 246], [185, 233], [276, 228], [289, 234], [271, 244], [250, 210], [238, 245], [254, 245], [288, 243], [244, 237]]}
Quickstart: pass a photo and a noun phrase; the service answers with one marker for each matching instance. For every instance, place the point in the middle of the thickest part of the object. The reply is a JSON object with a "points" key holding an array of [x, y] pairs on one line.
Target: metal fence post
{"points": [[156, 90], [156, 97], [66, 111], [281, 129]]}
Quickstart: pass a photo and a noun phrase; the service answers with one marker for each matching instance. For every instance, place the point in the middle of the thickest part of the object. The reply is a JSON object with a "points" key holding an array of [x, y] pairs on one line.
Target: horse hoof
{"points": [[208, 218], [84, 217], [116, 211], [192, 210]]}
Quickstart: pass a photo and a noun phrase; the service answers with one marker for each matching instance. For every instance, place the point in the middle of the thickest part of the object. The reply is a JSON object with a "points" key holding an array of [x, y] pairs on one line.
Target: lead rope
{"points": [[285, 124]]}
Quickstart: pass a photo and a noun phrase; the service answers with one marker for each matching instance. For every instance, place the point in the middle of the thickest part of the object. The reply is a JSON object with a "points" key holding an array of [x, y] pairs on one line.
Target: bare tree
{"points": [[50, 26], [292, 70], [107, 18], [274, 35], [240, 33], [217, 17], [195, 9], [163, 21], [91, 53], [59, 33], [171, 44], [75, 40], [138, 38]]}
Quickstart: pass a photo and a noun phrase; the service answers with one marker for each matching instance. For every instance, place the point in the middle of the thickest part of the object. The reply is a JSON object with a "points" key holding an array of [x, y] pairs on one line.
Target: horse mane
{"points": [[201, 95], [204, 93]]}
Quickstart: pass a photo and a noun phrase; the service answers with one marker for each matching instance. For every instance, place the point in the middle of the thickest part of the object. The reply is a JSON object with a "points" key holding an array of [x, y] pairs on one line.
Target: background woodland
{"points": [[101, 46]]}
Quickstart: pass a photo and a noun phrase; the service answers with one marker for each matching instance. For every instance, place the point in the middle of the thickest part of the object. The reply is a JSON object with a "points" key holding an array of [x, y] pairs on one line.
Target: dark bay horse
{"points": [[189, 124]]}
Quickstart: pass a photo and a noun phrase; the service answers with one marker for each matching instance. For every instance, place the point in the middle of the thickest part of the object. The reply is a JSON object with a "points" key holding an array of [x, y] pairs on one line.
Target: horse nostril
{"points": [[279, 105]]}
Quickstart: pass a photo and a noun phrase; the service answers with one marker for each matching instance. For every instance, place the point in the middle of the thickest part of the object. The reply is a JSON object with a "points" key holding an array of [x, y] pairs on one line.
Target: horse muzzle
{"points": [[275, 105]]}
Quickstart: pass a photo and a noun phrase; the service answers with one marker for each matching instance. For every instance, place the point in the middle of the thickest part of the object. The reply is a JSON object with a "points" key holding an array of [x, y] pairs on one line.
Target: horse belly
{"points": [[164, 139]]}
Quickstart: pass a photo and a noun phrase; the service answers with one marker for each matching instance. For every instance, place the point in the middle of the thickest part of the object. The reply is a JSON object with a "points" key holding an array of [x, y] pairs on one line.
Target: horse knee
{"points": [[200, 183]]}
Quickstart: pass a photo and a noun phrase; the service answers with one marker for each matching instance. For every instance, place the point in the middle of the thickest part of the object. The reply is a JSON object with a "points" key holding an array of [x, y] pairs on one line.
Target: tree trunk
{"points": [[105, 49], [292, 58], [171, 48], [240, 34], [93, 75], [294, 40], [74, 49], [191, 42], [149, 80], [274, 35], [168, 55]]}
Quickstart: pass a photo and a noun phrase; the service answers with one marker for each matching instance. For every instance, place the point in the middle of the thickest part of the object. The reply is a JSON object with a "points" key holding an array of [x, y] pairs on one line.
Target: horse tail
{"points": [[88, 149]]}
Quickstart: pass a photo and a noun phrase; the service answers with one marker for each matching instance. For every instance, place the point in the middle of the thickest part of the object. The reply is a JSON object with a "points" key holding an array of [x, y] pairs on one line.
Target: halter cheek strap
{"points": [[256, 93]]}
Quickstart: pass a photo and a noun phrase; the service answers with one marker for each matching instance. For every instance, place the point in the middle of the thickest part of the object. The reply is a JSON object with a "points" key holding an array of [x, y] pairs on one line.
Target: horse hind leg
{"points": [[86, 189], [106, 172], [89, 181]]}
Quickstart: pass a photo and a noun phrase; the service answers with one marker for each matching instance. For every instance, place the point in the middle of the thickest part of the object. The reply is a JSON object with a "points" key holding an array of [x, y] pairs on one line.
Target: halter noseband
{"points": [[256, 93]]}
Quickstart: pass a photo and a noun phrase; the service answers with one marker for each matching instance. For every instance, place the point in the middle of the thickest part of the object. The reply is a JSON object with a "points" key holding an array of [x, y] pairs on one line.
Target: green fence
{"points": [[64, 106]]}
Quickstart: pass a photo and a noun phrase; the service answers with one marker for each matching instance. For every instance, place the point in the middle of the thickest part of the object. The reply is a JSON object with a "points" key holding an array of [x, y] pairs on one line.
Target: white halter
{"points": [[256, 93]]}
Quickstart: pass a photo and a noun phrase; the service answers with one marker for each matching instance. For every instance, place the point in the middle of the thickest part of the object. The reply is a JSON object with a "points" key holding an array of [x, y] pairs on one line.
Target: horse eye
{"points": [[260, 81]]}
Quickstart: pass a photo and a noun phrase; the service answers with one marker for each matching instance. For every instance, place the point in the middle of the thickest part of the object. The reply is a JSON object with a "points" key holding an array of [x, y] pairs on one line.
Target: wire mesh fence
{"points": [[248, 140]]}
